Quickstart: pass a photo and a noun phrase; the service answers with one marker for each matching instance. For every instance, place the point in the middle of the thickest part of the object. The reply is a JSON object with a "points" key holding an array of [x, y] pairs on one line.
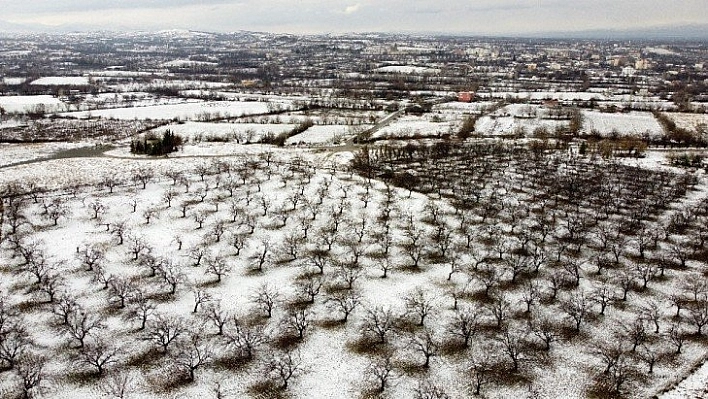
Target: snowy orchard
{"points": [[416, 271]]}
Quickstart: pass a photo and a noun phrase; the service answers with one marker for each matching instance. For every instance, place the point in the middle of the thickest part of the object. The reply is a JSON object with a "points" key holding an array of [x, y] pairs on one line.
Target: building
{"points": [[465, 97]]}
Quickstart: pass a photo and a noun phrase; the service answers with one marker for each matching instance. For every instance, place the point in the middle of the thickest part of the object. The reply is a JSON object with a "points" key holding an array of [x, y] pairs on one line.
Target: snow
{"points": [[188, 63], [14, 81], [632, 123], [695, 386], [688, 121], [408, 70], [202, 149], [15, 153], [328, 134], [21, 104], [410, 126], [464, 108], [62, 81], [238, 132], [508, 125], [333, 370], [546, 95], [188, 111]]}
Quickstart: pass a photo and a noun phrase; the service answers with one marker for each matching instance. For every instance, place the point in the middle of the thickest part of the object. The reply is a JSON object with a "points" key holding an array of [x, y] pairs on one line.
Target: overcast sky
{"points": [[322, 16]]}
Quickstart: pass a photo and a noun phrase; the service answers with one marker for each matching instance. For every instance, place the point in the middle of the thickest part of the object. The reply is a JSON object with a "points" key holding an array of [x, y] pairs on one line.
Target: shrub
{"points": [[152, 145]]}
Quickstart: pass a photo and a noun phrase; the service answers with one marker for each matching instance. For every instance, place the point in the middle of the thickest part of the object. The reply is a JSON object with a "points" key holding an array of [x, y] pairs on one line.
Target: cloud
{"points": [[352, 9], [318, 16]]}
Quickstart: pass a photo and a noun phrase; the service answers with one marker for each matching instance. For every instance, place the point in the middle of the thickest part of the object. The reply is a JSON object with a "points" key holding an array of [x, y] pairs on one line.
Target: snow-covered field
{"points": [[508, 125], [328, 134], [410, 126], [13, 81], [187, 63], [690, 122], [408, 70], [21, 104], [189, 111], [62, 81], [463, 108], [265, 181], [237, 132], [14, 153], [632, 123]]}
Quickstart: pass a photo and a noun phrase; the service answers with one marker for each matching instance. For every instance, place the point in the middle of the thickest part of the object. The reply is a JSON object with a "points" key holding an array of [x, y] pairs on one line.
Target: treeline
{"points": [[153, 145], [679, 135], [279, 140]]}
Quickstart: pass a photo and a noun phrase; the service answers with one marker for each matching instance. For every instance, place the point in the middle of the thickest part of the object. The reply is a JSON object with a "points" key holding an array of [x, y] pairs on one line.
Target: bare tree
{"points": [[98, 355], [171, 277], [378, 323], [426, 344], [149, 214], [634, 332], [651, 312], [200, 298], [97, 208], [698, 315], [464, 324], [91, 256], [531, 294], [544, 328], [65, 307], [197, 254], [262, 255], [602, 294], [381, 368], [577, 307], [138, 246], [81, 324], [217, 316], [56, 210], [200, 217], [348, 273], [111, 182], [419, 305], [218, 267], [121, 290], [297, 322], [676, 336], [163, 330], [14, 343], [429, 390], [140, 308], [512, 341], [120, 231], [169, 195], [30, 369], [265, 298], [143, 176], [117, 384], [50, 285], [309, 288], [651, 355], [245, 339], [344, 302], [500, 308], [192, 354], [283, 366]]}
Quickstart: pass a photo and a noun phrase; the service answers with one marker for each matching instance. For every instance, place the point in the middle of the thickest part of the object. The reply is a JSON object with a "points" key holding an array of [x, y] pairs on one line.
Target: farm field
{"points": [[634, 123], [471, 269], [189, 111]]}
